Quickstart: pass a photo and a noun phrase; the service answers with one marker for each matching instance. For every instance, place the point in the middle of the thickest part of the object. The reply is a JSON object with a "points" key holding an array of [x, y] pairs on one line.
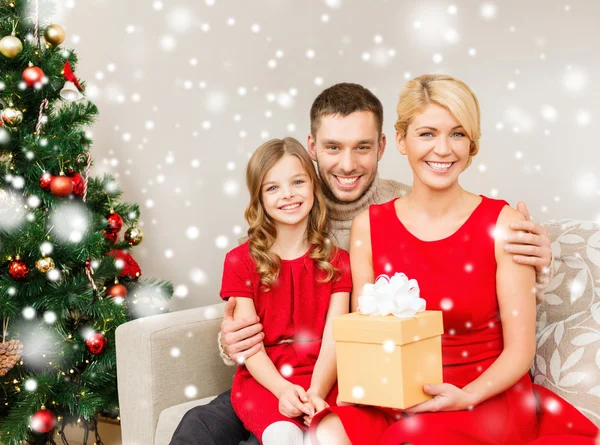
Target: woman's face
{"points": [[437, 147]]}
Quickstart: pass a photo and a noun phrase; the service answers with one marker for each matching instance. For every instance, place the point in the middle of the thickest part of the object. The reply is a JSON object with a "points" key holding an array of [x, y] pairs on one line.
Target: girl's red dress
{"points": [[457, 275], [294, 309]]}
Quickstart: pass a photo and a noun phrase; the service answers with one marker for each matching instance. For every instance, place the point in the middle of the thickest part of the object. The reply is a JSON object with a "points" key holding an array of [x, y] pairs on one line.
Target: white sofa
{"points": [[169, 363]]}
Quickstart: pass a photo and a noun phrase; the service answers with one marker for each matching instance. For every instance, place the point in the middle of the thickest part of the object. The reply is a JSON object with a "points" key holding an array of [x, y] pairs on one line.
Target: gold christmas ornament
{"points": [[54, 35], [134, 236], [11, 46], [12, 117], [45, 264]]}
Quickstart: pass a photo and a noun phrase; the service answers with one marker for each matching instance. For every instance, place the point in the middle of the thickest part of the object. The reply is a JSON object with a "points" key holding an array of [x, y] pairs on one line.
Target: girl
{"points": [[296, 281], [443, 236]]}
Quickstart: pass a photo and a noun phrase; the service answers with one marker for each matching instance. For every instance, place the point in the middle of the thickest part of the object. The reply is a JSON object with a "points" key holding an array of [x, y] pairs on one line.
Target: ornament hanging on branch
{"points": [[43, 421], [130, 268], [96, 343], [10, 353], [12, 117], [110, 235], [71, 90], [18, 270], [54, 35], [11, 46], [115, 222], [33, 76], [134, 236], [61, 186], [45, 181], [116, 290], [78, 183], [45, 264]]}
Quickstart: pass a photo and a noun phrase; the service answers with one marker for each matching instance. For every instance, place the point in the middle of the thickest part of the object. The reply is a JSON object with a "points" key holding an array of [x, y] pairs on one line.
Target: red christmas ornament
{"points": [[18, 270], [45, 181], [110, 235], [61, 186], [43, 421], [32, 75], [116, 291], [115, 222], [77, 181], [130, 268], [96, 343]]}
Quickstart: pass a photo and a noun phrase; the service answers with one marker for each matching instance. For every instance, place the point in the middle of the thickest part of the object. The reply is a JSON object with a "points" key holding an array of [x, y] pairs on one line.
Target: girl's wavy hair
{"points": [[262, 231], [448, 92]]}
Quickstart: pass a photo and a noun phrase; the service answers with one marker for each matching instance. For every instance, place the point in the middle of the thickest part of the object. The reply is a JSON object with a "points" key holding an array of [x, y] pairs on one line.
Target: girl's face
{"points": [[437, 147], [287, 192]]}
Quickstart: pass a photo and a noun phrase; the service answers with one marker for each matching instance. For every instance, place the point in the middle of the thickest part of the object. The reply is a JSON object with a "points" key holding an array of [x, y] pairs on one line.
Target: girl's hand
{"points": [[446, 397], [294, 402], [318, 404]]}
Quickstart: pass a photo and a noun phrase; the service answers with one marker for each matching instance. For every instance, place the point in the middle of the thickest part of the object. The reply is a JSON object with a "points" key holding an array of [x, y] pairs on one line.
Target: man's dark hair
{"points": [[344, 99]]}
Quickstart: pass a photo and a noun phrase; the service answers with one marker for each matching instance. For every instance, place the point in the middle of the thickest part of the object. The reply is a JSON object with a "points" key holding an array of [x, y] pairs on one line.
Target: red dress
{"points": [[294, 309], [457, 275]]}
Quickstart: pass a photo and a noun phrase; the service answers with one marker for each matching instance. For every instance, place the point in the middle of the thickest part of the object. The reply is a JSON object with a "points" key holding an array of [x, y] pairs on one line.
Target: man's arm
{"points": [[239, 339]]}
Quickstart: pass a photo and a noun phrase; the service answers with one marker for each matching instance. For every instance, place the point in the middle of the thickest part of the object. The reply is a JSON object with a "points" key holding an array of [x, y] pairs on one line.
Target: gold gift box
{"points": [[386, 360]]}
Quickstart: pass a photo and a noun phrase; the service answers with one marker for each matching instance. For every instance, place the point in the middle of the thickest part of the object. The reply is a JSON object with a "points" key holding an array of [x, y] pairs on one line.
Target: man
{"points": [[346, 142]]}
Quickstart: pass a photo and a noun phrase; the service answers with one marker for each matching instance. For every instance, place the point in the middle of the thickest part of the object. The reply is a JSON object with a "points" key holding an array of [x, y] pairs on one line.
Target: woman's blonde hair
{"points": [[446, 91], [262, 231]]}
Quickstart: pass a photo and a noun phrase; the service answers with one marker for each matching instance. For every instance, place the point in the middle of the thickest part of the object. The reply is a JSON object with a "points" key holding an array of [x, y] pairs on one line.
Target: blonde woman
{"points": [[295, 280], [452, 242]]}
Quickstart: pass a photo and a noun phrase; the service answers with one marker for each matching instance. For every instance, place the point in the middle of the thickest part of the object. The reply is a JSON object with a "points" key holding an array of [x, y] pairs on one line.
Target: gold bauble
{"points": [[54, 35], [45, 264], [134, 236], [10, 46], [11, 117]]}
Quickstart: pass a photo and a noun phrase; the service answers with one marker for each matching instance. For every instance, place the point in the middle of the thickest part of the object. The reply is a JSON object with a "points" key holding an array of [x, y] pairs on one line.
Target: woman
{"points": [[451, 241]]}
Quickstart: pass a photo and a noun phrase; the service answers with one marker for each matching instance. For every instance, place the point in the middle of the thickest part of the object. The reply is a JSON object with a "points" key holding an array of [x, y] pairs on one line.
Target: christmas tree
{"points": [[67, 279]]}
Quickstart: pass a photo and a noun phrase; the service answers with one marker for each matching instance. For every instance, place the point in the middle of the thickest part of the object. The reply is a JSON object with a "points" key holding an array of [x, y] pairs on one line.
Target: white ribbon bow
{"points": [[398, 296]]}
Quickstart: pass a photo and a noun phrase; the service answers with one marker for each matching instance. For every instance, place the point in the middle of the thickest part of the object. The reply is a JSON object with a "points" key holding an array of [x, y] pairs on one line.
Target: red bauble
{"points": [[45, 181], [43, 421], [77, 180], [32, 75], [130, 268], [115, 222], [110, 235], [18, 270], [61, 186], [116, 291], [96, 343]]}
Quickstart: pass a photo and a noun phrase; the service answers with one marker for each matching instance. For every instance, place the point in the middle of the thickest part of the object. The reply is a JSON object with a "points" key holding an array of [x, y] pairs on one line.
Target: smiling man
{"points": [[347, 142]]}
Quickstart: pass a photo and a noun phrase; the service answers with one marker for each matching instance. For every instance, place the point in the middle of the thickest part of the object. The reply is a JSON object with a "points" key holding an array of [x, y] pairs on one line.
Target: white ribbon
{"points": [[398, 296]]}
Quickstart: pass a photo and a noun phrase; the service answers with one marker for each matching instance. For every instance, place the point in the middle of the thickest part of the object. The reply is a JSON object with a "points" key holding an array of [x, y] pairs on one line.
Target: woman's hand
{"points": [[294, 402], [446, 397]]}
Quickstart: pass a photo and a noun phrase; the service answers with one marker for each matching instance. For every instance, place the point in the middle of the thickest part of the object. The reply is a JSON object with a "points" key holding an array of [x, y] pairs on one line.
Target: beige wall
{"points": [[191, 94]]}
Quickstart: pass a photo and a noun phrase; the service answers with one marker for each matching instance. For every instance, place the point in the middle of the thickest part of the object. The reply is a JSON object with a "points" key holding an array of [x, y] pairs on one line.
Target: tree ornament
{"points": [[134, 236], [61, 186], [110, 235], [54, 35], [115, 222], [45, 181], [131, 268], [11, 46], [96, 343], [10, 353], [12, 117], [32, 75], [45, 264], [78, 183], [116, 290], [43, 421], [18, 270]]}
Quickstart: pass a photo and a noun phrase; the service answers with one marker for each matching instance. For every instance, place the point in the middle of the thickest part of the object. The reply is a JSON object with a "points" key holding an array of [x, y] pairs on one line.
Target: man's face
{"points": [[346, 150]]}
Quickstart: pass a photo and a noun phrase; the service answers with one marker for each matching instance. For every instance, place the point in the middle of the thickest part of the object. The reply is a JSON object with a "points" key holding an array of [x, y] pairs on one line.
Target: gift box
{"points": [[386, 360]]}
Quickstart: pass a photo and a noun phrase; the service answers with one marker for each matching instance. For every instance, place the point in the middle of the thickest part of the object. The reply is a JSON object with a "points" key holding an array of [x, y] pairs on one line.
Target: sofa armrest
{"points": [[165, 360]]}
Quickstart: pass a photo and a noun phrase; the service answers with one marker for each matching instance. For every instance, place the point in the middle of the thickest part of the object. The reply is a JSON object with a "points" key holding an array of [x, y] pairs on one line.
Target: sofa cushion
{"points": [[568, 319], [169, 419]]}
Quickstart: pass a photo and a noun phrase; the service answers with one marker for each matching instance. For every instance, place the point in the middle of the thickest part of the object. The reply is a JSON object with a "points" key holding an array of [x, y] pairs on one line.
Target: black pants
{"points": [[213, 424]]}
